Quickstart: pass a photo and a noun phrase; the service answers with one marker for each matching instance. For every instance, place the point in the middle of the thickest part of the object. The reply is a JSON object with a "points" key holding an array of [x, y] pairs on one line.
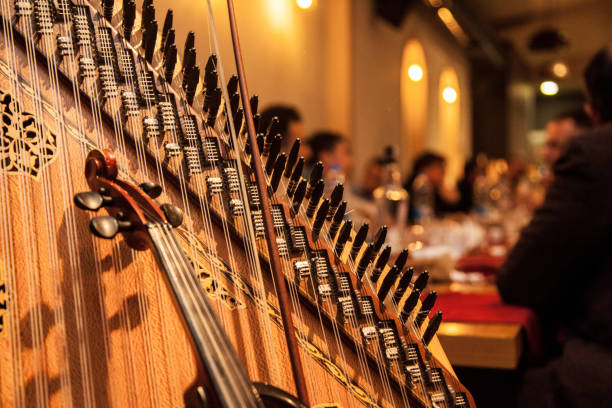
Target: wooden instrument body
{"points": [[89, 322]]}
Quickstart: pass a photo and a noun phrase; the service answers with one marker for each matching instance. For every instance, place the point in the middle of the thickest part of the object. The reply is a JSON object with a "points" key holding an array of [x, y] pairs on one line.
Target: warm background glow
{"points": [[415, 72], [304, 3], [449, 95], [560, 69], [549, 88]]}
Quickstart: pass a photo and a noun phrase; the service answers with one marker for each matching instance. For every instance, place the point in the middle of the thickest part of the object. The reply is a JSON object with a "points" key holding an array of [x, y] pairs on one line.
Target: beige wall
{"points": [[377, 58], [294, 56]]}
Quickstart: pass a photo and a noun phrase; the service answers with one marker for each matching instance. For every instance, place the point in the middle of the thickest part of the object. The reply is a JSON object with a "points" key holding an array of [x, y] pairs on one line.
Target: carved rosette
{"points": [[26, 147]]}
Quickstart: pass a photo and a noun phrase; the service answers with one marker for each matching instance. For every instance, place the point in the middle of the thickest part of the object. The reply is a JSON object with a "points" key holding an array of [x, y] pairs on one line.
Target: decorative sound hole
{"points": [[24, 147]]}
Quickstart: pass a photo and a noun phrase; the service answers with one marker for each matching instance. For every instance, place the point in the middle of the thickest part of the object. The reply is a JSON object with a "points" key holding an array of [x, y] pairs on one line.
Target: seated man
{"points": [[560, 131], [561, 266]]}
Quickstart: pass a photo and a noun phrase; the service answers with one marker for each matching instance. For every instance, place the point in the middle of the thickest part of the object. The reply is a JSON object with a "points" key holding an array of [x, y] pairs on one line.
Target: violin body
{"points": [[87, 322]]}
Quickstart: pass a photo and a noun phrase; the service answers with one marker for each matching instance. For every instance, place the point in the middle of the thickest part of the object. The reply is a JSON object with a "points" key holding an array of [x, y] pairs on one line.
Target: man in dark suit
{"points": [[561, 266]]}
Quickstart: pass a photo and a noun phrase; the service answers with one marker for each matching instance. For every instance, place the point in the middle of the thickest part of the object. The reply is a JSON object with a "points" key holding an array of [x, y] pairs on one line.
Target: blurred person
{"points": [[561, 267], [427, 196], [291, 126], [372, 178], [465, 186], [334, 151], [559, 131]]}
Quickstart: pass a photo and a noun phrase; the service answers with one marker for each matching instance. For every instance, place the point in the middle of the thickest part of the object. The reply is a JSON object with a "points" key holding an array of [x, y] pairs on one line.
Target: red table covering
{"points": [[489, 308]]}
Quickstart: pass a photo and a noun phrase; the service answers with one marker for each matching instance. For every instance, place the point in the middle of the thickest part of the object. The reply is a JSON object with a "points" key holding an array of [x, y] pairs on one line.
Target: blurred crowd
{"points": [[496, 192]]}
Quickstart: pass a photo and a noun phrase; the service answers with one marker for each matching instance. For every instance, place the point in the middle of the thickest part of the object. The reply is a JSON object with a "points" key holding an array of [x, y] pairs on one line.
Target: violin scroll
{"points": [[131, 208]]}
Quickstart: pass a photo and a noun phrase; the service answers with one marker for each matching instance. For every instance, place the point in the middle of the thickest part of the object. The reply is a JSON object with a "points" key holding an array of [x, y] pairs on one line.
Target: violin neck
{"points": [[227, 375]]}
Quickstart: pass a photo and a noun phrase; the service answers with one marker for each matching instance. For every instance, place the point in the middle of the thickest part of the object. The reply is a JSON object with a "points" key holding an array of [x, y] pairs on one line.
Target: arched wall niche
{"points": [[414, 79], [448, 140]]}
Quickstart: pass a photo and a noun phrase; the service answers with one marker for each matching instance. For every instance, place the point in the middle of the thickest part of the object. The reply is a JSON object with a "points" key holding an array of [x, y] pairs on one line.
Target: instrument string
{"points": [[13, 315], [252, 245], [39, 336], [362, 359]]}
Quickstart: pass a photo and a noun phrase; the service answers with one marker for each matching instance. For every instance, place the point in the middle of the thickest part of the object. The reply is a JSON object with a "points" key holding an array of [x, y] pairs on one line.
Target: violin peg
{"points": [[153, 190], [173, 214], [104, 226], [89, 201]]}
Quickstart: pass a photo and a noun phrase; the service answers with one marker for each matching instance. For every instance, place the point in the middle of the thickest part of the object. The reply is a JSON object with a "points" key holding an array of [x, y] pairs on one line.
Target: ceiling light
{"points": [[549, 88], [304, 3], [449, 94], [560, 69], [415, 72]]}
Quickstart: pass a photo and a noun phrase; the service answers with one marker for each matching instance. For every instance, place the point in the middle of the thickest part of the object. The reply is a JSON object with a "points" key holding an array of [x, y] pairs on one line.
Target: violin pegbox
{"points": [[131, 208]]}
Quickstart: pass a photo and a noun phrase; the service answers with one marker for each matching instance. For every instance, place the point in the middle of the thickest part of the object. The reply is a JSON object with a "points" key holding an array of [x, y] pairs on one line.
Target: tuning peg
{"points": [[274, 151], [295, 176], [401, 259], [337, 219], [153, 190], [364, 261], [315, 175], [188, 63], [298, 196], [381, 262], [167, 26], [335, 200], [189, 43], [315, 197], [234, 102], [256, 122], [293, 156], [432, 328], [107, 227], [170, 40], [360, 238], [147, 12], [402, 285], [379, 238], [193, 77], [92, 201], [278, 171], [274, 127], [173, 214], [238, 121], [319, 219], [254, 102], [232, 85], [149, 38], [426, 307], [107, 7], [211, 64], [409, 305], [387, 282], [343, 236], [129, 16], [213, 105], [210, 80], [421, 281], [170, 63]]}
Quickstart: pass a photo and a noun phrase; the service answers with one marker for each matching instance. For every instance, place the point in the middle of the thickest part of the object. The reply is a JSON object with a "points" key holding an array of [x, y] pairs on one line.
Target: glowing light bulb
{"points": [[449, 95], [415, 72], [549, 88], [304, 4], [560, 69]]}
